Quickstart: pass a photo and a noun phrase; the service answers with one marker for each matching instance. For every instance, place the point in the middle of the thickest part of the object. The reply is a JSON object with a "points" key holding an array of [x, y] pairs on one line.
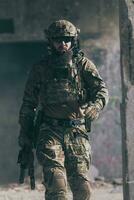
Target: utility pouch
{"points": [[88, 124]]}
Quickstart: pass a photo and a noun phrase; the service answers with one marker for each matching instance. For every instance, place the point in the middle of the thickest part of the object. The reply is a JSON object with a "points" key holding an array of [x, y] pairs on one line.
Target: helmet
{"points": [[61, 28]]}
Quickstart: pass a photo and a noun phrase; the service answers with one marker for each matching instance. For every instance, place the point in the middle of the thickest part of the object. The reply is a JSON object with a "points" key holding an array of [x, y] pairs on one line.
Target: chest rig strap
{"points": [[79, 80]]}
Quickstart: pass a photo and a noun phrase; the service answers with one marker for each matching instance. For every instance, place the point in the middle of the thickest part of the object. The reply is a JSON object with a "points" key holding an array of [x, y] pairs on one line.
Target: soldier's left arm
{"points": [[29, 104], [97, 92]]}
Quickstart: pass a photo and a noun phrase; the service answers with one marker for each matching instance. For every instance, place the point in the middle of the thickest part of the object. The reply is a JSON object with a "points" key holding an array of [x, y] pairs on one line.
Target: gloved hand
{"points": [[92, 110], [26, 124]]}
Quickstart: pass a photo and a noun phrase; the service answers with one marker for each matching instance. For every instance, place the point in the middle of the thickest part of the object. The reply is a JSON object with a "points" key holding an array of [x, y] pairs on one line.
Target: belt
{"points": [[64, 122]]}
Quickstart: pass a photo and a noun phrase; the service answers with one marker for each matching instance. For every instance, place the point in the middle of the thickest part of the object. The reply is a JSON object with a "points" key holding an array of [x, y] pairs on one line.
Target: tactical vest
{"points": [[64, 84]]}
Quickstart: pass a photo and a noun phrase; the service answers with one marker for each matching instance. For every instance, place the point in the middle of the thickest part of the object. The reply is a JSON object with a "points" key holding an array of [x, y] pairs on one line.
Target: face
{"points": [[62, 44]]}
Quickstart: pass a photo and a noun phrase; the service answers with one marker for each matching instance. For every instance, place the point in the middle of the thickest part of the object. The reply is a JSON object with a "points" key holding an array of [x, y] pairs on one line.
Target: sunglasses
{"points": [[61, 39]]}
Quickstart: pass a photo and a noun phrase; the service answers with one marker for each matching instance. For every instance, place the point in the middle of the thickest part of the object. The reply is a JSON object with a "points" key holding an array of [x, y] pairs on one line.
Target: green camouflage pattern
{"points": [[36, 87], [62, 88], [61, 28], [64, 152]]}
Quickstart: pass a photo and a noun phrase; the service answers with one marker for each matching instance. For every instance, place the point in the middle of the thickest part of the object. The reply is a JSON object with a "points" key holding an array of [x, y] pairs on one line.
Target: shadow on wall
{"points": [[16, 60]]}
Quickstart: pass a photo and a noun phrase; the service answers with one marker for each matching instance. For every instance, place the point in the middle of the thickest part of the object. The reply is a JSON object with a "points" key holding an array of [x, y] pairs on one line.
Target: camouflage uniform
{"points": [[63, 147]]}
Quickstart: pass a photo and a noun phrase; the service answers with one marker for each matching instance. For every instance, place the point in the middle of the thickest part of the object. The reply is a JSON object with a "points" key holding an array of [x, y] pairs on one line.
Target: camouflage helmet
{"points": [[61, 28]]}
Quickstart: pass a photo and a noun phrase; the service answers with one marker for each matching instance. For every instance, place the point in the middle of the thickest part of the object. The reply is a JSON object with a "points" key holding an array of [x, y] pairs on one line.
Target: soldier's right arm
{"points": [[29, 104]]}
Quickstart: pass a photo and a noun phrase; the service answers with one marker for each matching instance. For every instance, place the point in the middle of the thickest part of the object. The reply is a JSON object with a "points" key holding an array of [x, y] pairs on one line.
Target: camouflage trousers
{"points": [[65, 155]]}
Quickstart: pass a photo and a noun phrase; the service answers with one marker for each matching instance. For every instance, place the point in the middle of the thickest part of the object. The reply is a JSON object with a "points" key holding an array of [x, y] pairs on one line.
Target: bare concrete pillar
{"points": [[127, 105]]}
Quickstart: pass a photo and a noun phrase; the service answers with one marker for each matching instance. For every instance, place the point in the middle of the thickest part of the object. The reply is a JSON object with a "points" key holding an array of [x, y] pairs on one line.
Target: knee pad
{"points": [[55, 182], [59, 180], [80, 187]]}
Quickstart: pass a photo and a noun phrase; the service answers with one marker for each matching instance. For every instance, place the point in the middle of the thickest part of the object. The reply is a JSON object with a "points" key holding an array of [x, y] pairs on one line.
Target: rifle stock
{"points": [[26, 161]]}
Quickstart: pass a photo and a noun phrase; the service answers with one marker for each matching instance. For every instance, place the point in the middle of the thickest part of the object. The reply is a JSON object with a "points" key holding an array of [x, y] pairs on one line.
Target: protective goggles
{"points": [[62, 39]]}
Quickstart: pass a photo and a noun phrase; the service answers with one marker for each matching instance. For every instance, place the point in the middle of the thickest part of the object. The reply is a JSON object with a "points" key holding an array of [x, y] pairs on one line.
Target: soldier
{"points": [[71, 94]]}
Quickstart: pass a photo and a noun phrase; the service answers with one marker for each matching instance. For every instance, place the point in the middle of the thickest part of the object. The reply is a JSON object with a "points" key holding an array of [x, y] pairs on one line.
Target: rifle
{"points": [[26, 161], [26, 155]]}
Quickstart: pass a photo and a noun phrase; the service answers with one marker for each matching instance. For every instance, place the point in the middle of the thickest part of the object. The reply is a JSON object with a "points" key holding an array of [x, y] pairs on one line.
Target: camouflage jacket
{"points": [[34, 93]]}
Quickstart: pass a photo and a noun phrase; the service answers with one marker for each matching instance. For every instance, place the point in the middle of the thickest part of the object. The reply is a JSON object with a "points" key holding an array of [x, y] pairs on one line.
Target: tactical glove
{"points": [[92, 110], [26, 130]]}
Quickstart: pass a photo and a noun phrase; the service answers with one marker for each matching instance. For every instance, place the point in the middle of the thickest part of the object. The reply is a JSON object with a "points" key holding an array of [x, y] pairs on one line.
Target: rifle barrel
{"points": [[32, 178]]}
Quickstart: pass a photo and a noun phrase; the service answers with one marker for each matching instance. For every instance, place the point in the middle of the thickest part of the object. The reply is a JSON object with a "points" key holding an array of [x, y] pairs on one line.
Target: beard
{"points": [[63, 58]]}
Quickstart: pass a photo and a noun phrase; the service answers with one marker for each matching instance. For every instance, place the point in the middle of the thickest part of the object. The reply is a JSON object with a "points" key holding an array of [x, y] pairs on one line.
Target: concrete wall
{"points": [[31, 17], [127, 106]]}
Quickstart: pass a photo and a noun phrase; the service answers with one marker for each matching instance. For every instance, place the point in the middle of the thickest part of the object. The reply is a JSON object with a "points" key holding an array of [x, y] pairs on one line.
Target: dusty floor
{"points": [[23, 192]]}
